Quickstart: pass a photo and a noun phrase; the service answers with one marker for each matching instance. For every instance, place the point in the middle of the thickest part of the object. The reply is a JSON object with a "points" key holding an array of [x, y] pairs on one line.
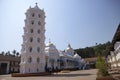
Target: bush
{"points": [[101, 65]]}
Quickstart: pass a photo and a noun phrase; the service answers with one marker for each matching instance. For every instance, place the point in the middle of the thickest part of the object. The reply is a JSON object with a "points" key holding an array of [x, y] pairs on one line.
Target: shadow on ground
{"points": [[68, 75]]}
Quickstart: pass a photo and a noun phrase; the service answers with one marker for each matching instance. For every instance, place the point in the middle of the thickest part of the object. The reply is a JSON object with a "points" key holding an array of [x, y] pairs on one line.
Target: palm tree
{"points": [[3, 53], [8, 52], [17, 54], [14, 52]]}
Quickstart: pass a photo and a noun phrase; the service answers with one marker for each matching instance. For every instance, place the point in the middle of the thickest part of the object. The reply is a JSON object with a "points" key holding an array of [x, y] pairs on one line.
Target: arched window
{"points": [[31, 39], [38, 49], [38, 59], [38, 31], [38, 39], [32, 22], [39, 23], [31, 30], [39, 15], [33, 14], [30, 59], [30, 49]]}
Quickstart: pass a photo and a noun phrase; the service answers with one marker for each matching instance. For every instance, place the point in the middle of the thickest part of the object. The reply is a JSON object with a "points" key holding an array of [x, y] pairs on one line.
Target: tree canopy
{"points": [[8, 53], [94, 51]]}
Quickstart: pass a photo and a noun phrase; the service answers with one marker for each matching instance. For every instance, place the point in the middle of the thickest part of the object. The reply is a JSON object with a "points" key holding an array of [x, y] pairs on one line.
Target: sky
{"points": [[82, 23]]}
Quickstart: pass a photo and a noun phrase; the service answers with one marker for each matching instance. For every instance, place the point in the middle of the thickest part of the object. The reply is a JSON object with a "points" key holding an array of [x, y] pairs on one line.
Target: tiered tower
{"points": [[32, 52]]}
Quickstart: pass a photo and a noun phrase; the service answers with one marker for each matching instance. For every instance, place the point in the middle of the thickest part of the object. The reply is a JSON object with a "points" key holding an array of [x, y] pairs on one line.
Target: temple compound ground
{"points": [[72, 75]]}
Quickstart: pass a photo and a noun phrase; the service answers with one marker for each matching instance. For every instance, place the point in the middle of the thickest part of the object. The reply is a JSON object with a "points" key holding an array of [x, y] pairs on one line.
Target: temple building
{"points": [[35, 55], [59, 60], [52, 57], [114, 56]]}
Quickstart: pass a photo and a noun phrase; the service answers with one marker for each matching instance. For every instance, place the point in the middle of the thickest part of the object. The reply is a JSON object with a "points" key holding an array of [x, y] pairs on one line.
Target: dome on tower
{"points": [[50, 46], [69, 47], [50, 50], [36, 6]]}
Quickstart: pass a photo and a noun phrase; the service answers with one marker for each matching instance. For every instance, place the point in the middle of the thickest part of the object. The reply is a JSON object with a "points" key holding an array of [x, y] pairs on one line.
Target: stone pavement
{"points": [[73, 75]]}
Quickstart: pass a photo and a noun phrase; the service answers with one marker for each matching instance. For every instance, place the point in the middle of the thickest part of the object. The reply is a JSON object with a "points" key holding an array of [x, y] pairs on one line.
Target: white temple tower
{"points": [[32, 52]]}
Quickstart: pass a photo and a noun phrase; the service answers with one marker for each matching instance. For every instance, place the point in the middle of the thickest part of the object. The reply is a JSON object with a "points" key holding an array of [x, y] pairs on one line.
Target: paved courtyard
{"points": [[73, 75]]}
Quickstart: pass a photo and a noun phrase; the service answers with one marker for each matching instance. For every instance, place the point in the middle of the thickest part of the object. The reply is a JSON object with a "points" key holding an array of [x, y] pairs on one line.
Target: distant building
{"points": [[9, 64], [90, 62], [58, 60], [52, 57]]}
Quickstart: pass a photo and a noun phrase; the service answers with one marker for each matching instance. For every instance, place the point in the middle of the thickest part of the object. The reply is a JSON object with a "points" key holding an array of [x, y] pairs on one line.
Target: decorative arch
{"points": [[30, 59], [39, 23], [38, 49], [32, 22], [38, 39], [31, 30], [33, 14], [31, 39], [38, 60], [30, 49], [38, 31]]}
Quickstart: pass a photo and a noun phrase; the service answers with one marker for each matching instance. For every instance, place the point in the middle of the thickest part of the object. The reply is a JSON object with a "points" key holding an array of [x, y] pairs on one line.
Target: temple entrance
{"points": [[3, 68]]}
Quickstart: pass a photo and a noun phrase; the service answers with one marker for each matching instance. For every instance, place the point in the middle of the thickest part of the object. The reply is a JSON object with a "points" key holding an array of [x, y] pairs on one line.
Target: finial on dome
{"points": [[36, 3], [69, 45], [29, 7]]}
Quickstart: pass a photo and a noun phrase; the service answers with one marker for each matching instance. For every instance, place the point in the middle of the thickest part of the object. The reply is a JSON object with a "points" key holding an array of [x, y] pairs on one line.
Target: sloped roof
{"points": [[115, 38]]}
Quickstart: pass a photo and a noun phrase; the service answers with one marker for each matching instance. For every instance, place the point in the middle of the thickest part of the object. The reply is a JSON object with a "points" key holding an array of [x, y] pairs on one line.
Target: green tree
{"points": [[17, 54], [3, 53], [94, 51], [101, 65], [14, 52]]}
